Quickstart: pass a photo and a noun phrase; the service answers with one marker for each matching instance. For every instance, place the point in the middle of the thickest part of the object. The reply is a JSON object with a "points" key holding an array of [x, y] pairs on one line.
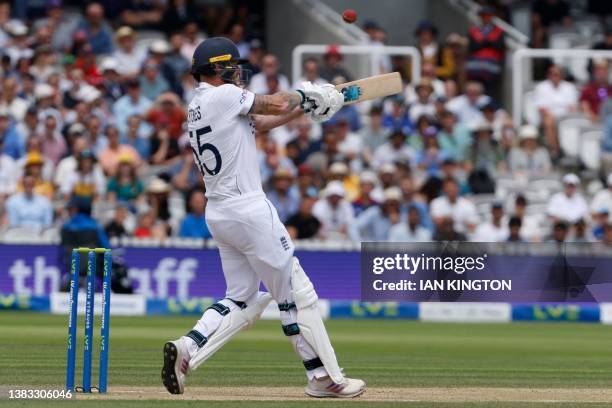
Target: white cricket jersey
{"points": [[222, 138]]}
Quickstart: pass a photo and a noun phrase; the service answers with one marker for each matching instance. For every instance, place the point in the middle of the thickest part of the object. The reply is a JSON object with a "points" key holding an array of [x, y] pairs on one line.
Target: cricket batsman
{"points": [[253, 243]]}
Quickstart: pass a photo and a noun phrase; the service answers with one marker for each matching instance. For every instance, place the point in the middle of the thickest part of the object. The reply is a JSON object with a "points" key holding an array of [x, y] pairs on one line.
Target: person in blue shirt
{"points": [[398, 118], [132, 103], [97, 31], [194, 223], [28, 209], [81, 229], [374, 223], [14, 143], [283, 195]]}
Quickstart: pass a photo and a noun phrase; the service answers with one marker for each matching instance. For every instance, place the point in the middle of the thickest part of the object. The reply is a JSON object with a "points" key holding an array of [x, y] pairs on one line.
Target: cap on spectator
{"points": [[387, 168], [489, 106], [282, 172], [133, 83], [255, 44], [34, 159], [497, 205], [486, 10], [16, 28], [109, 64], [159, 46], [441, 99], [602, 211], [87, 154], [371, 25], [397, 132], [76, 129], [430, 131], [392, 194], [483, 126], [571, 179], [42, 91], [426, 25], [158, 186], [125, 158], [424, 83], [339, 169], [368, 176], [609, 181], [528, 132], [304, 170], [124, 31], [334, 188], [332, 51]]}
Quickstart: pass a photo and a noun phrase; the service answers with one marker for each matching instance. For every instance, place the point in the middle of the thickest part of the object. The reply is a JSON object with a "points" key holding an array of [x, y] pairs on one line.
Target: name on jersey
{"points": [[194, 114]]}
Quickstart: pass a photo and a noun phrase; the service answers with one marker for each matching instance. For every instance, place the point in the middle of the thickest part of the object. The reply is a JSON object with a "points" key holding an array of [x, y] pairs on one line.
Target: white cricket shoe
{"points": [[325, 387], [176, 366]]}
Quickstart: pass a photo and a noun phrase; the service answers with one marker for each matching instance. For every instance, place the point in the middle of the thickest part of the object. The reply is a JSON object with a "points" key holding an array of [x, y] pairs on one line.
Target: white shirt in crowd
{"points": [[333, 220], [129, 63], [386, 154], [352, 144], [462, 211], [569, 209], [488, 232], [9, 174], [602, 199], [467, 113], [402, 233], [558, 100], [259, 84]]}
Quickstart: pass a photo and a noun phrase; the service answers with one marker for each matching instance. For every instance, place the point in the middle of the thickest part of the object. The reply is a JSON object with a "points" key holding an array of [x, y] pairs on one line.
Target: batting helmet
{"points": [[212, 51]]}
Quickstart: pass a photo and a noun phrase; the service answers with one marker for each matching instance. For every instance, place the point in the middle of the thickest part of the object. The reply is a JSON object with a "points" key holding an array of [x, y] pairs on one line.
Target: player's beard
{"points": [[234, 74]]}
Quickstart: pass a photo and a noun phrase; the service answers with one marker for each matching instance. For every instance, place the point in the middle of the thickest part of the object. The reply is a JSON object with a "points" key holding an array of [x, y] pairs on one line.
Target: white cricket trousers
{"points": [[255, 247]]}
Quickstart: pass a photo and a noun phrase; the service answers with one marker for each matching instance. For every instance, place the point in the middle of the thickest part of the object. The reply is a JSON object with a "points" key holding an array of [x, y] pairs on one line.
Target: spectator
{"points": [[430, 158], [603, 198], [69, 163], [600, 220], [460, 210], [373, 134], [310, 73], [110, 86], [303, 224], [559, 232], [394, 151], [514, 230], [530, 223], [132, 103], [125, 185], [191, 39], [596, 92], [579, 233], [305, 145], [454, 138], [29, 209], [175, 60], [122, 223], [283, 195], [367, 183], [15, 106], [349, 143], [137, 137], [432, 52], [152, 84], [411, 199], [167, 113], [111, 156], [424, 129], [446, 231], [554, 99], [128, 57], [333, 71], [33, 166], [607, 235], [410, 231], [424, 103], [14, 143], [270, 159], [487, 160], [81, 230], [270, 68], [177, 14], [158, 53], [529, 160], [341, 172], [467, 107], [495, 230], [499, 120], [9, 174], [147, 227], [398, 118], [86, 182], [374, 223], [606, 143], [568, 205], [194, 223], [96, 31], [53, 145], [334, 212], [486, 51]]}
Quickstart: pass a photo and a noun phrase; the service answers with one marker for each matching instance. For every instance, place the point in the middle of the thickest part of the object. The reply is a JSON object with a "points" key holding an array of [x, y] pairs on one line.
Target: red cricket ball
{"points": [[349, 16]]}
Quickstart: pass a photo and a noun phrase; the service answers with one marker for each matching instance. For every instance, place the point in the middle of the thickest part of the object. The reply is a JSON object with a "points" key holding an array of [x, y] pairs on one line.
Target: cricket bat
{"points": [[372, 87]]}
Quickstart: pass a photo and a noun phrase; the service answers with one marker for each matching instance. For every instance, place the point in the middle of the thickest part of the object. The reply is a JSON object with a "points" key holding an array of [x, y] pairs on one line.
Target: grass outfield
{"points": [[387, 354]]}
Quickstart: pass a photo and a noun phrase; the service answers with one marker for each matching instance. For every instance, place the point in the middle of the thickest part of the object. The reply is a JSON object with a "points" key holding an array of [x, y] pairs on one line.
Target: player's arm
{"points": [[281, 103], [267, 122]]}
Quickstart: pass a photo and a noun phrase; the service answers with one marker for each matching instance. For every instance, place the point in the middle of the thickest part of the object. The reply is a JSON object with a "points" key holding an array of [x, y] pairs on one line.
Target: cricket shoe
{"points": [[176, 366], [326, 388]]}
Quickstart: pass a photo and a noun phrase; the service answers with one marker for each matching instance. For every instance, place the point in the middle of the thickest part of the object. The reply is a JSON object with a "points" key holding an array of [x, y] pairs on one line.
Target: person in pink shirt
{"points": [[109, 158]]}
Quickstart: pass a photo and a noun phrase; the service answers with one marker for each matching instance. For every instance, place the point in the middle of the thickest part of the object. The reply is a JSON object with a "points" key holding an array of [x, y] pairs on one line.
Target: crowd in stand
{"points": [[91, 116]]}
